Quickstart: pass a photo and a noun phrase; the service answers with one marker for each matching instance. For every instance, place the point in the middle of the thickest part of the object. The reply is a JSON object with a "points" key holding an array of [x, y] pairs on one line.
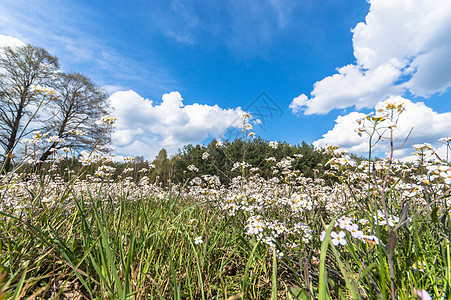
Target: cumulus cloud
{"points": [[298, 103], [143, 127], [9, 41], [402, 46], [428, 127]]}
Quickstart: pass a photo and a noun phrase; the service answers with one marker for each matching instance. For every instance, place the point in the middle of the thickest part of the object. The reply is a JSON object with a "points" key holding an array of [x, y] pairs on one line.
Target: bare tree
{"points": [[77, 109], [20, 69]]}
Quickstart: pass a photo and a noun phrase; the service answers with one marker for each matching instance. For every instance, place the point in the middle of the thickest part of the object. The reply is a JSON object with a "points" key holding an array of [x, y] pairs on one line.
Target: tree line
{"points": [[165, 169], [218, 158], [64, 109]]}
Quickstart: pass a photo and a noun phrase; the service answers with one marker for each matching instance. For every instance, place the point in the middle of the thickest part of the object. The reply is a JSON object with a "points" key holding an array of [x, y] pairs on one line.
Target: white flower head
{"points": [[245, 116], [273, 145], [338, 238], [198, 240], [354, 230], [109, 120], [247, 126], [192, 168]]}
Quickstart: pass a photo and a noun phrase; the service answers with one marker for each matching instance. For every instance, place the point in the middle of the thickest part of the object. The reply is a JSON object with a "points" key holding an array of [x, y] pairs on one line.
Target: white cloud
{"points": [[298, 103], [401, 46], [9, 41], [343, 135], [351, 86], [428, 126], [143, 128], [441, 150]]}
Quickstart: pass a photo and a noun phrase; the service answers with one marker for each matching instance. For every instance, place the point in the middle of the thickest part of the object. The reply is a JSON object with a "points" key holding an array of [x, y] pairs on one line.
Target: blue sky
{"points": [[322, 62]]}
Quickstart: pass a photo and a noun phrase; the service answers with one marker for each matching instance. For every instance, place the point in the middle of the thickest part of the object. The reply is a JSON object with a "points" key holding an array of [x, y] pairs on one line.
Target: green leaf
{"points": [[434, 214], [274, 275], [297, 293]]}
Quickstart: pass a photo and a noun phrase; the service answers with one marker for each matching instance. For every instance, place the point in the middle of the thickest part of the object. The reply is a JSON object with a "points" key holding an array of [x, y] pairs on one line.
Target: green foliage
{"points": [[163, 168], [221, 159]]}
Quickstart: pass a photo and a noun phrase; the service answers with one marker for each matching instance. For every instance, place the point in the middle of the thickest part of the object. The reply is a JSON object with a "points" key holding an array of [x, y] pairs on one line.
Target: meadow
{"points": [[378, 229]]}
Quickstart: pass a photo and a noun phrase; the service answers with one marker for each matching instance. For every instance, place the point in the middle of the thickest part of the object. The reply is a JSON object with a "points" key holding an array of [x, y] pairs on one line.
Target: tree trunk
{"points": [[48, 152], [12, 138], [44, 156]]}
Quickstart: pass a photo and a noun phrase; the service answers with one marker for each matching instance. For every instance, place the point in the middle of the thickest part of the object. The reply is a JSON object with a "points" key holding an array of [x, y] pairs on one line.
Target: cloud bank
{"points": [[403, 46], [426, 124], [9, 41], [143, 127]]}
